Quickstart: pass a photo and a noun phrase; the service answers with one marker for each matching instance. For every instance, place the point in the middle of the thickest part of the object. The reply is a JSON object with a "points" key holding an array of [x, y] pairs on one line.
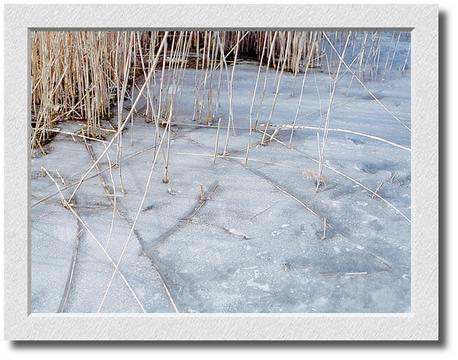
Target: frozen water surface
{"points": [[222, 237]]}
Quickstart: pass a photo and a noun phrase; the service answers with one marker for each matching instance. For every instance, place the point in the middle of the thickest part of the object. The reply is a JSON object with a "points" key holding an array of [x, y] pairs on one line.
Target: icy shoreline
{"points": [[220, 237]]}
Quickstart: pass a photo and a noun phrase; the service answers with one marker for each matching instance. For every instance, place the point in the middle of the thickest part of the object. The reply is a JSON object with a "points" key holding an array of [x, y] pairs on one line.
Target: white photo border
{"points": [[423, 321]]}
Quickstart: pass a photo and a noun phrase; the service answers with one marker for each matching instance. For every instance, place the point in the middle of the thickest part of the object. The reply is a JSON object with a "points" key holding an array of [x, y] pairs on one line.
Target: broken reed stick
{"points": [[373, 137], [324, 229], [394, 53], [332, 274], [217, 140], [256, 84], [253, 100], [378, 188], [264, 88], [230, 94], [264, 133], [300, 96], [209, 155], [259, 213], [277, 90], [58, 131], [121, 95], [166, 178], [70, 276], [328, 116], [406, 59], [114, 201]]}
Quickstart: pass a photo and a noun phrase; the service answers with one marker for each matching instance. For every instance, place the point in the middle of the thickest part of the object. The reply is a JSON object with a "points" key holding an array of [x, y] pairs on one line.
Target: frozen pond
{"points": [[222, 237]]}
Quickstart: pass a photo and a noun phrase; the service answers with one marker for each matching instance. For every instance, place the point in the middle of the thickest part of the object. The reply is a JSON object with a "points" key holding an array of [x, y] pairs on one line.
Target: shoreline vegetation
{"points": [[83, 76]]}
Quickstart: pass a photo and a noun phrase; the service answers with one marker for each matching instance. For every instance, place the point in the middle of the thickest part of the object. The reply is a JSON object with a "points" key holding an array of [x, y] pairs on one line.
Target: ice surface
{"points": [[219, 237]]}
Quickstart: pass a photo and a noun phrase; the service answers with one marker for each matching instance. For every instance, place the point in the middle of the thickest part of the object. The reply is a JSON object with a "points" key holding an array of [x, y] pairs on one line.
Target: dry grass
{"points": [[83, 75]]}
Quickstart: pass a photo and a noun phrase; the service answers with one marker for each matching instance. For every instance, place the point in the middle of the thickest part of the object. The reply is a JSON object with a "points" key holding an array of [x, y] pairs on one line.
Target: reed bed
{"points": [[73, 78], [82, 75], [85, 76]]}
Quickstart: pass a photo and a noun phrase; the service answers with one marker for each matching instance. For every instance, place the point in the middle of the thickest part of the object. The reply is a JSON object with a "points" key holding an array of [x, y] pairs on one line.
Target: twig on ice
{"points": [[378, 188]]}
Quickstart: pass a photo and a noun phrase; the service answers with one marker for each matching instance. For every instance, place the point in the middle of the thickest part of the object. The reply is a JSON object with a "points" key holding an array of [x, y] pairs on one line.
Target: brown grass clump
{"points": [[310, 174], [73, 77]]}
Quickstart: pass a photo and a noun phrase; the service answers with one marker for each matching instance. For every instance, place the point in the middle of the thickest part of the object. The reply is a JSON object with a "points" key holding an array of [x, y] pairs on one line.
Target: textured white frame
{"points": [[420, 324]]}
